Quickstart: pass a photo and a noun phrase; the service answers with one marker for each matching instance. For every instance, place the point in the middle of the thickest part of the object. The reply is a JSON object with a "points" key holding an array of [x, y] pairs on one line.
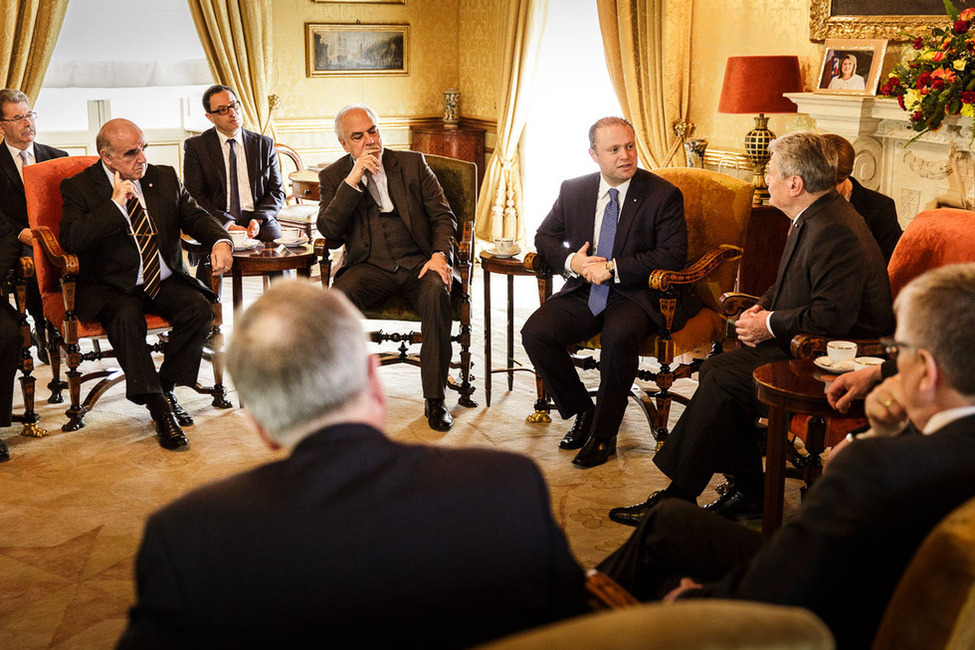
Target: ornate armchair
{"points": [[459, 181], [56, 277], [15, 284], [716, 208]]}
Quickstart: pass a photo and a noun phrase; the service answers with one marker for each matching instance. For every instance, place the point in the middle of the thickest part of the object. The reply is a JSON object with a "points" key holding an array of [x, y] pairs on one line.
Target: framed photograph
{"points": [[891, 19], [851, 66], [357, 50]]}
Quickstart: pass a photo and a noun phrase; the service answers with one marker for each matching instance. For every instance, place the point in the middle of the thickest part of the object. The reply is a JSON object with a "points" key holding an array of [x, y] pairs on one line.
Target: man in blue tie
{"points": [[606, 233]]}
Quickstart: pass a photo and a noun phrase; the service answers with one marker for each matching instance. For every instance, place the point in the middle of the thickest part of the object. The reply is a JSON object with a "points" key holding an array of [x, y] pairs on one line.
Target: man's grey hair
{"points": [[805, 154], [612, 120], [296, 355], [12, 96], [352, 107], [939, 308]]}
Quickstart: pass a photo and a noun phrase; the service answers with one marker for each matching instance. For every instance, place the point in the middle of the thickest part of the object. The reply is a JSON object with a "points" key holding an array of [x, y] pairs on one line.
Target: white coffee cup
{"points": [[238, 237], [841, 351], [290, 234], [504, 245]]}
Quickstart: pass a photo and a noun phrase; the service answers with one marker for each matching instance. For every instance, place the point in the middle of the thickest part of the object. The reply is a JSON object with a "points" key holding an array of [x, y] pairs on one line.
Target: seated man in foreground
{"points": [[354, 540], [858, 527], [832, 281]]}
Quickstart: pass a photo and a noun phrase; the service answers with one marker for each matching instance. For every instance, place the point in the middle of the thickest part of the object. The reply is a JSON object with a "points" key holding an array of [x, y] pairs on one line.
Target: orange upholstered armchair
{"points": [[716, 209], [56, 276]]}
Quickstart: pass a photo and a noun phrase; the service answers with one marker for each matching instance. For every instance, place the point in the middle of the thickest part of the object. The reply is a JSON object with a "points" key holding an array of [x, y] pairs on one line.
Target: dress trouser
{"points": [[191, 316], [566, 320], [10, 353], [716, 433], [367, 285], [676, 540]]}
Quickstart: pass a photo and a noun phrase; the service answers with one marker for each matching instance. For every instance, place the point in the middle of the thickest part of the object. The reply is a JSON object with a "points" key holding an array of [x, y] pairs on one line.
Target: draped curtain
{"points": [[236, 38], [28, 33], [648, 53], [501, 208]]}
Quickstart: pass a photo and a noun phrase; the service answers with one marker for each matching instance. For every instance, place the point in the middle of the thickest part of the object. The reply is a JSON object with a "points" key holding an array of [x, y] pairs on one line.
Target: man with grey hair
{"points": [[832, 281], [19, 129], [389, 209], [843, 553], [354, 539]]}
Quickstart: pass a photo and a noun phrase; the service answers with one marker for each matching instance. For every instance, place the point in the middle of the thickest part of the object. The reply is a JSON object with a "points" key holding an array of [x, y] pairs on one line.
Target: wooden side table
{"points": [[510, 267], [269, 257], [788, 387], [463, 143], [304, 184]]}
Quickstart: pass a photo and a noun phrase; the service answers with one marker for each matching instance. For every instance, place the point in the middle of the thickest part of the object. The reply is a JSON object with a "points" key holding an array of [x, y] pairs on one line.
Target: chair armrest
{"points": [[661, 280], [602, 592], [67, 262], [537, 265], [465, 244], [810, 346], [733, 304]]}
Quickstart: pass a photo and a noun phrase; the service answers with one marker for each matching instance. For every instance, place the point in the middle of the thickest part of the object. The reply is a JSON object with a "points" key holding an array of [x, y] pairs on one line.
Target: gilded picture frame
{"points": [[851, 66], [357, 50], [873, 19]]}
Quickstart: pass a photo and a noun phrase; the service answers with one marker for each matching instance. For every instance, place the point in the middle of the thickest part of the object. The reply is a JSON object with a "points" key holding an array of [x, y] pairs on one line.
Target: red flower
{"points": [[938, 56], [923, 80], [960, 26], [918, 43], [938, 84], [900, 102], [917, 116], [968, 97]]}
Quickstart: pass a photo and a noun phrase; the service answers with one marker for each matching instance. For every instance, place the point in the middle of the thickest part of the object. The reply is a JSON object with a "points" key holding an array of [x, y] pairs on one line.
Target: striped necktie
{"points": [[599, 293], [145, 235]]}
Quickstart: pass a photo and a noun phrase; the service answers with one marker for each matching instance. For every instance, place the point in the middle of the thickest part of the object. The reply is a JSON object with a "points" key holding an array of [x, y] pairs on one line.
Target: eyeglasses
{"points": [[223, 110], [20, 118], [892, 346]]}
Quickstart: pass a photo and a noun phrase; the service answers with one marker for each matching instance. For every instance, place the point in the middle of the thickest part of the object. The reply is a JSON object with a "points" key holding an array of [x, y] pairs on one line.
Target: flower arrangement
{"points": [[937, 78]]}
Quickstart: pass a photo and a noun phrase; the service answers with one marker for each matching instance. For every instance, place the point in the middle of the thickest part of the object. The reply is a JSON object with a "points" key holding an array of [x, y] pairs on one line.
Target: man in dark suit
{"points": [[858, 527], [354, 540], [122, 218], [10, 339], [19, 130], [399, 235], [832, 281], [606, 232], [255, 195]]}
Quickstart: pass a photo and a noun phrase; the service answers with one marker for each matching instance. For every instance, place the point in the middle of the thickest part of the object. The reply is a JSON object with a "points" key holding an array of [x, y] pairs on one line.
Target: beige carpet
{"points": [[74, 504]]}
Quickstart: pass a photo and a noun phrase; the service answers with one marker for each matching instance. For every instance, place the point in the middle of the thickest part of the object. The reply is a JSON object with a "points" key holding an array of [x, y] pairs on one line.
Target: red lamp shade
{"points": [[755, 84]]}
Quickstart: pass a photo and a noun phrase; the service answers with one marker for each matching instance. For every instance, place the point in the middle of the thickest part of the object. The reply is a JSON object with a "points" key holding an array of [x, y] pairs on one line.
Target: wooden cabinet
{"points": [[463, 143]]}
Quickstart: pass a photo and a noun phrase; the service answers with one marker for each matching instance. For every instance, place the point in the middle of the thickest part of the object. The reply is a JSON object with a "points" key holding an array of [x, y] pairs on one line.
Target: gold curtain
{"points": [[501, 208], [236, 38], [648, 53], [28, 34]]}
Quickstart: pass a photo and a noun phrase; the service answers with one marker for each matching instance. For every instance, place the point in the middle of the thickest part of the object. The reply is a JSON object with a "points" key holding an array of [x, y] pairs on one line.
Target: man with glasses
{"points": [[846, 548], [234, 173], [17, 123], [122, 217]]}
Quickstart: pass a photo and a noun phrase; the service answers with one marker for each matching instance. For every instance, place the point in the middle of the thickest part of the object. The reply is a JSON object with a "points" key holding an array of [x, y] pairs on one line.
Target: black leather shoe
{"points": [[437, 415], [633, 515], [595, 452], [168, 431], [736, 505], [41, 345], [579, 431], [184, 418]]}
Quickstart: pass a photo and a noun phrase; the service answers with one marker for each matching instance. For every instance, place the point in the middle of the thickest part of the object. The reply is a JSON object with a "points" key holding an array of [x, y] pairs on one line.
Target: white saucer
{"points": [[503, 256], [301, 241], [249, 244], [828, 365]]}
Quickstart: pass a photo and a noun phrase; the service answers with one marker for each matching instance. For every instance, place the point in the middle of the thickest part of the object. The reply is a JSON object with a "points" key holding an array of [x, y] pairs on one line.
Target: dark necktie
{"points": [[598, 293], [373, 188], [146, 237], [234, 183]]}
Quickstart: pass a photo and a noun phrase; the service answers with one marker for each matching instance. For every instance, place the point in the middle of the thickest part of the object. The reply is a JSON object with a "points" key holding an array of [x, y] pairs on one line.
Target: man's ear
{"points": [[932, 376]]}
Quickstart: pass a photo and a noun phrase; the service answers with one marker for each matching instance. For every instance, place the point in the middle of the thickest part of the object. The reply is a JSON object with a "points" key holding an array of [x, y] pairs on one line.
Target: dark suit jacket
{"points": [[858, 528], [880, 214], [356, 541], [94, 228], [10, 339], [205, 174], [832, 278], [651, 234], [416, 195], [13, 204]]}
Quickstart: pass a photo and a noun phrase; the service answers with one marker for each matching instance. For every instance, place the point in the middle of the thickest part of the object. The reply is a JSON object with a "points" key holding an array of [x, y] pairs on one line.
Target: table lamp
{"points": [[755, 84]]}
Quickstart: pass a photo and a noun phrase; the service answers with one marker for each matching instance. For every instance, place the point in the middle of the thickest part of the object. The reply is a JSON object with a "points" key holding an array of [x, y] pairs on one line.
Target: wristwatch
{"points": [[611, 267]]}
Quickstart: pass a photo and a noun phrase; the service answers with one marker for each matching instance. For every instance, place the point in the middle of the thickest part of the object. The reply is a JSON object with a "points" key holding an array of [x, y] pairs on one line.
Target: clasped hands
{"points": [[591, 267], [752, 327]]}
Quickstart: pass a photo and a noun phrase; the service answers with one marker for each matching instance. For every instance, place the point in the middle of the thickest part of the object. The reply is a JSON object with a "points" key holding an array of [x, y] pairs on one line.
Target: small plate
{"points": [[828, 365], [301, 241], [503, 256], [249, 244]]}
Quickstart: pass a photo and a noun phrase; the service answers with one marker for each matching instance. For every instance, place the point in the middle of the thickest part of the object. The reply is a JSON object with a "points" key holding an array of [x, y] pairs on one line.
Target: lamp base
{"points": [[756, 146]]}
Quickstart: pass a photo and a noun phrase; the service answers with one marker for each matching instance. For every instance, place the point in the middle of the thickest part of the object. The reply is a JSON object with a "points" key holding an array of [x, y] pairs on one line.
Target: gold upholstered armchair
{"points": [[459, 181], [716, 208]]}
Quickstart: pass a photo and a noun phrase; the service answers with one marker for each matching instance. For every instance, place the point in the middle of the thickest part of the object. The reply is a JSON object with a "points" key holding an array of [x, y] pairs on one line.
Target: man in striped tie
{"points": [[122, 218], [606, 232]]}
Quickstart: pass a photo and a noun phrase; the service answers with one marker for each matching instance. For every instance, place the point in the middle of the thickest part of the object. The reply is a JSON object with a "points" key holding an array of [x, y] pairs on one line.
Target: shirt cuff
{"points": [[768, 323], [568, 266]]}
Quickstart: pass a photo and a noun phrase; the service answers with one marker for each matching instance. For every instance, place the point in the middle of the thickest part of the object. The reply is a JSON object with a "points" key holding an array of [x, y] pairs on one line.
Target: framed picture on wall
{"points": [[357, 50], [851, 66]]}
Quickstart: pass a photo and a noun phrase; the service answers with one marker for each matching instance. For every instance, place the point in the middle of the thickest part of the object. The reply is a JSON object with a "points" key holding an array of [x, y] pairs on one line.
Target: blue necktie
{"points": [[598, 293], [234, 183]]}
